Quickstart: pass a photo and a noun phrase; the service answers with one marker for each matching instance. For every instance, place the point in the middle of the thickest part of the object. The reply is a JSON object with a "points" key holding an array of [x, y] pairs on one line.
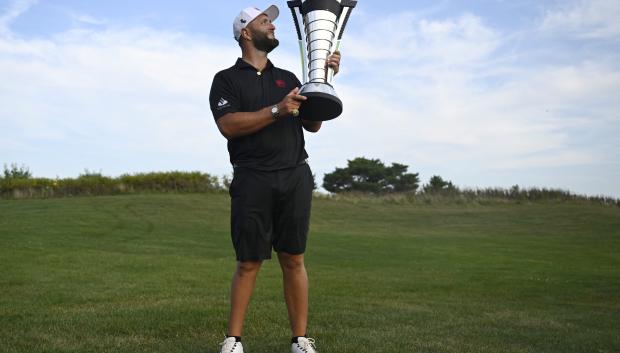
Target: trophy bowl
{"points": [[322, 103]]}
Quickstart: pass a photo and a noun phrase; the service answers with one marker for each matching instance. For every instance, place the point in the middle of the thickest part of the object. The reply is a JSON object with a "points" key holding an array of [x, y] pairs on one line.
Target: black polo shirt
{"points": [[241, 88]]}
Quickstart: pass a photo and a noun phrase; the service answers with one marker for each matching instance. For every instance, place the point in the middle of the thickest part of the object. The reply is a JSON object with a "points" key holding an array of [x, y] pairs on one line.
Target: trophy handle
{"points": [[344, 18], [302, 48], [348, 7]]}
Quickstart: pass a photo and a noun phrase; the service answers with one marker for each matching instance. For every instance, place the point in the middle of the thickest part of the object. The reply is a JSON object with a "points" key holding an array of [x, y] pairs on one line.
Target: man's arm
{"points": [[311, 126], [239, 124]]}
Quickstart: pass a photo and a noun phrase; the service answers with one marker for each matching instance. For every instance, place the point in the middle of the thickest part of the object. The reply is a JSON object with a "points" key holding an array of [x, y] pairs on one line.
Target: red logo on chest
{"points": [[280, 83]]}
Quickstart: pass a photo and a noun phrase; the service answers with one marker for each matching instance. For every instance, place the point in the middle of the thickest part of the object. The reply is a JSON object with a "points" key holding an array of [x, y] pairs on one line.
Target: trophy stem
{"points": [[304, 68]]}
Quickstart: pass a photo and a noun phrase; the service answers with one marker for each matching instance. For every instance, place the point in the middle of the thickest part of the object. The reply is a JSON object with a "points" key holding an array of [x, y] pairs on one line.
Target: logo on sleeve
{"points": [[223, 103], [280, 83]]}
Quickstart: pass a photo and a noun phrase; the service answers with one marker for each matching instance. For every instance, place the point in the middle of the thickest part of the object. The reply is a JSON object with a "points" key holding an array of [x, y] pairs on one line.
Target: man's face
{"points": [[263, 34]]}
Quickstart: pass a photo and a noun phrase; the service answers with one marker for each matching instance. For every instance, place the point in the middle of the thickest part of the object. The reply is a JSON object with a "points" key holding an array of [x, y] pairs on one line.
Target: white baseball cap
{"points": [[248, 14]]}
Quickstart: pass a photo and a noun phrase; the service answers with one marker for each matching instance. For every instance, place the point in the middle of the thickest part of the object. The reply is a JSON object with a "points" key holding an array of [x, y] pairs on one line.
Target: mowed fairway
{"points": [[150, 273]]}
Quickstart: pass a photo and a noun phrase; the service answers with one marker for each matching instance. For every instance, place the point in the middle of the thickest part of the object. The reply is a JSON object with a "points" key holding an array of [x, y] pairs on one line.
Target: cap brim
{"points": [[272, 12]]}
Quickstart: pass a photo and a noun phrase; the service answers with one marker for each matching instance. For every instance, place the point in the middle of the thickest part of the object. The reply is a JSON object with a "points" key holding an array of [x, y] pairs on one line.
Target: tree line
{"points": [[17, 182], [360, 176], [372, 176]]}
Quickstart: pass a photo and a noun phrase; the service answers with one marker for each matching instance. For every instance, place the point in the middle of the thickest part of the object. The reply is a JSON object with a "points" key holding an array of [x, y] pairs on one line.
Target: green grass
{"points": [[150, 273]]}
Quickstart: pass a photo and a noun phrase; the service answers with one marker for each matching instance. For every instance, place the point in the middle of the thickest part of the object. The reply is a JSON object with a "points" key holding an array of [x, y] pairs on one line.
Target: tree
{"points": [[437, 185], [17, 172], [371, 175]]}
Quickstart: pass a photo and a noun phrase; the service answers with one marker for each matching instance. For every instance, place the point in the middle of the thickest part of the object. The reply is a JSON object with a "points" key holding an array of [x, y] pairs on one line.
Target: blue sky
{"points": [[483, 93]]}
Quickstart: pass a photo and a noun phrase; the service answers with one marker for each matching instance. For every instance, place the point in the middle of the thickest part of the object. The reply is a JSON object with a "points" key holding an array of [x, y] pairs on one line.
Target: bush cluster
{"points": [[367, 180], [90, 184], [371, 176], [455, 195]]}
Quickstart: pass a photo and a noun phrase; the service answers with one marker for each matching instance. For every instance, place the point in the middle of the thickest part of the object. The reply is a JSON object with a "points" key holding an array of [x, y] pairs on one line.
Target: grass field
{"points": [[150, 273]]}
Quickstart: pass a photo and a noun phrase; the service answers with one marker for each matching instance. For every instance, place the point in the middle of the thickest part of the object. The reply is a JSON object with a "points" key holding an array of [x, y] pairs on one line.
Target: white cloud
{"points": [[406, 37], [535, 114], [136, 94], [87, 19], [12, 12], [585, 19]]}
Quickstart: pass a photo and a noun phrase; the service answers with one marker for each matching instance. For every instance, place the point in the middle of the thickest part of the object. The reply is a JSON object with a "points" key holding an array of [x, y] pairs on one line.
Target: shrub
{"points": [[436, 185], [92, 184], [371, 176], [17, 172]]}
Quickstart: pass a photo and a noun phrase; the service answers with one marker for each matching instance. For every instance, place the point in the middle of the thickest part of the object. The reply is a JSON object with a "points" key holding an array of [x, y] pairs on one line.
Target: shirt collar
{"points": [[242, 64]]}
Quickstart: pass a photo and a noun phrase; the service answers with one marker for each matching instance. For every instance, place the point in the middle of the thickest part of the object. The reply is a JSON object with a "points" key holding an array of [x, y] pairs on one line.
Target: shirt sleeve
{"points": [[296, 80], [223, 97]]}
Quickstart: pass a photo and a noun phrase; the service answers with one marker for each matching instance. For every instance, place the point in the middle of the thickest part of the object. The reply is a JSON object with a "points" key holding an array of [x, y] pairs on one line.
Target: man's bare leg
{"points": [[295, 291], [241, 290]]}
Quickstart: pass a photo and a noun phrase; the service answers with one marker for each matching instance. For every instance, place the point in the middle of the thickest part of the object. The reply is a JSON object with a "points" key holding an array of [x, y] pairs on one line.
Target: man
{"points": [[255, 106]]}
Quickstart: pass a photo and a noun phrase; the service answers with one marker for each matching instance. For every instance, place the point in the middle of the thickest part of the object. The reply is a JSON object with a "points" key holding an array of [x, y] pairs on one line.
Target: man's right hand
{"points": [[291, 102]]}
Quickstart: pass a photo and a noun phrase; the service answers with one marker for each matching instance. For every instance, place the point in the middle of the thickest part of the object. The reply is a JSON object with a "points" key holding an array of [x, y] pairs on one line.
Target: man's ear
{"points": [[245, 33]]}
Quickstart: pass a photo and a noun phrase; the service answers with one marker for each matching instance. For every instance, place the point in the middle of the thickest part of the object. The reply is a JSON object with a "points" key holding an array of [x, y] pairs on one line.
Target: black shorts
{"points": [[270, 209]]}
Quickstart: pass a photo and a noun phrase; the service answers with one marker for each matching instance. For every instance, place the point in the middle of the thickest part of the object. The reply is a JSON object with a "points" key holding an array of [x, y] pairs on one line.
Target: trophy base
{"points": [[322, 103]]}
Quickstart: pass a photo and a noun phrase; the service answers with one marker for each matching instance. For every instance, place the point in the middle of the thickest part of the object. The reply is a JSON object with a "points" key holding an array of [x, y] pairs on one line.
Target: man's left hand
{"points": [[333, 61]]}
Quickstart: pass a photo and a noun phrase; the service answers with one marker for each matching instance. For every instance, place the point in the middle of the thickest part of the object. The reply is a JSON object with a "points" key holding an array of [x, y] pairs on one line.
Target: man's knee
{"points": [[290, 262], [245, 268]]}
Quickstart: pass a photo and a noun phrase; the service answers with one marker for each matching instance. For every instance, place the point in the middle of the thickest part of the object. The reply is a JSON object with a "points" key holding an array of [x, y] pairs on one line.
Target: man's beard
{"points": [[264, 43]]}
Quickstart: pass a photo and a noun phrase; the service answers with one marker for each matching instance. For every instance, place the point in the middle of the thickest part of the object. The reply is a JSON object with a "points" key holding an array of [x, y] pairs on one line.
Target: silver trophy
{"points": [[324, 22]]}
